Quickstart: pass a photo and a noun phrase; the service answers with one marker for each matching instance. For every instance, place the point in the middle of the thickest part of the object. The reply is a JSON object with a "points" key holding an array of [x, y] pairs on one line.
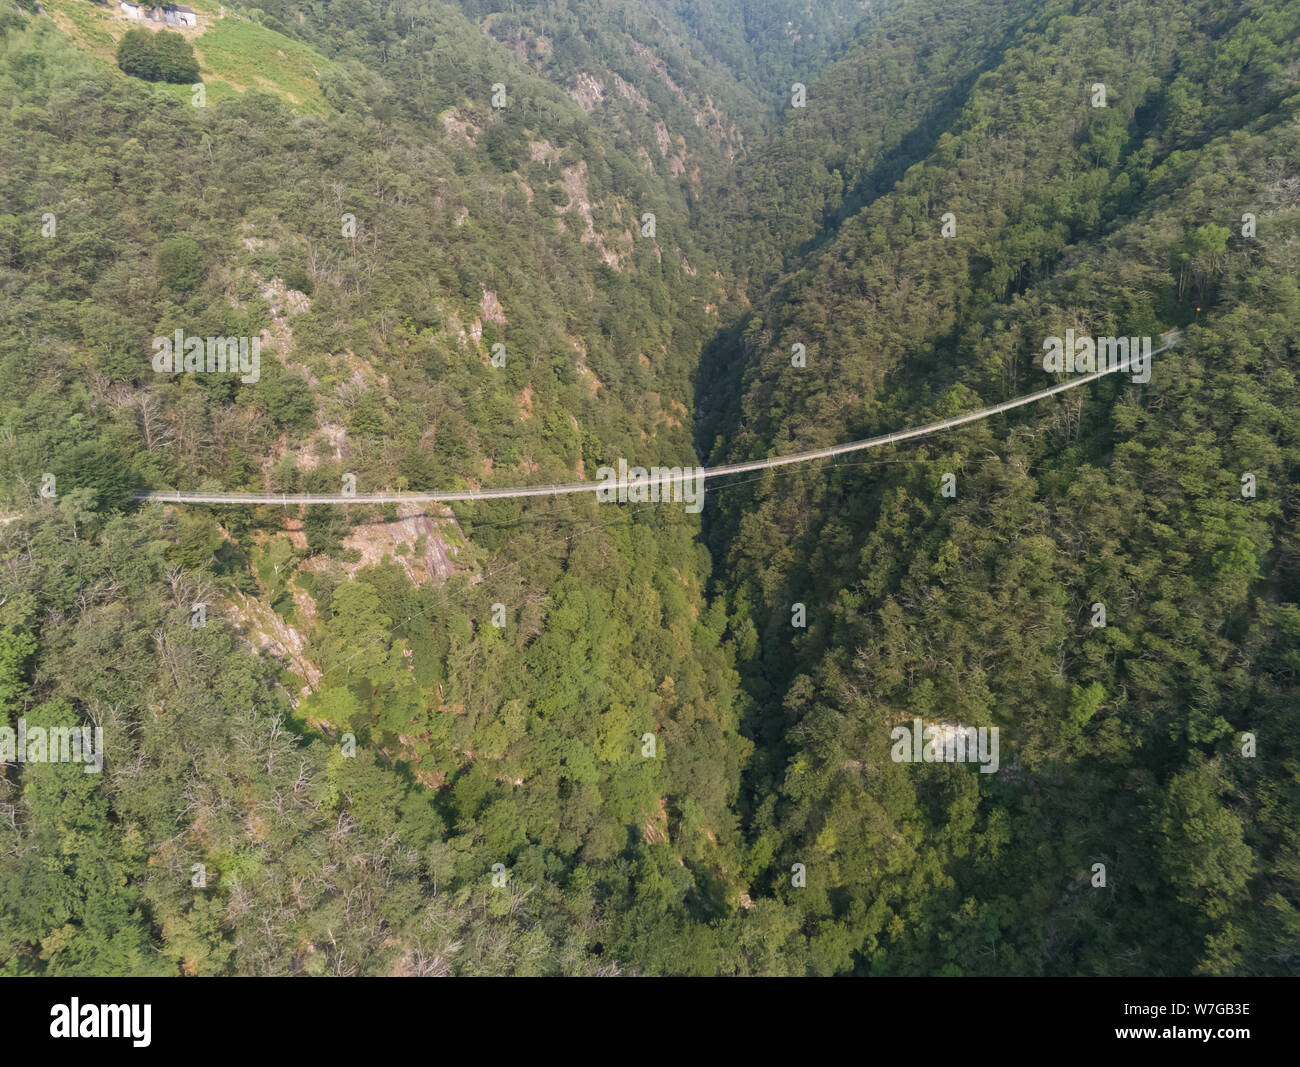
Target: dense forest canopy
{"points": [[488, 243]]}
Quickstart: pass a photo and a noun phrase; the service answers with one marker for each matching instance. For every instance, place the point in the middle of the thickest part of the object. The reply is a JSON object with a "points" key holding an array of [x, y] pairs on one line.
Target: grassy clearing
{"points": [[235, 55], [246, 56]]}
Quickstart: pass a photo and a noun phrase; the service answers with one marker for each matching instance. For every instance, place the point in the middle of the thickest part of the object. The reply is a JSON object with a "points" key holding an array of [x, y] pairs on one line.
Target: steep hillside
{"points": [[444, 291], [960, 580]]}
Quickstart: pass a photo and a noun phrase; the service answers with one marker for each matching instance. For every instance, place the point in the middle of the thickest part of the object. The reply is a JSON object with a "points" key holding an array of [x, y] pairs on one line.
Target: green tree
{"points": [[15, 648], [162, 56], [137, 56], [183, 264], [175, 58]]}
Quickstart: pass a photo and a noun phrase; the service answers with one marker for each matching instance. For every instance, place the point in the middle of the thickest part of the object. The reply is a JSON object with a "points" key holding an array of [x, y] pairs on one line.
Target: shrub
{"points": [[296, 278]]}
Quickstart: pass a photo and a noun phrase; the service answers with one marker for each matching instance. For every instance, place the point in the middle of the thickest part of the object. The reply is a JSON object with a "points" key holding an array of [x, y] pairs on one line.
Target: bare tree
{"points": [[153, 426]]}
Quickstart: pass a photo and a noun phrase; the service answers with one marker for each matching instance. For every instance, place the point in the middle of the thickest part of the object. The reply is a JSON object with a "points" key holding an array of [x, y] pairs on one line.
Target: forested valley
{"points": [[488, 244]]}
